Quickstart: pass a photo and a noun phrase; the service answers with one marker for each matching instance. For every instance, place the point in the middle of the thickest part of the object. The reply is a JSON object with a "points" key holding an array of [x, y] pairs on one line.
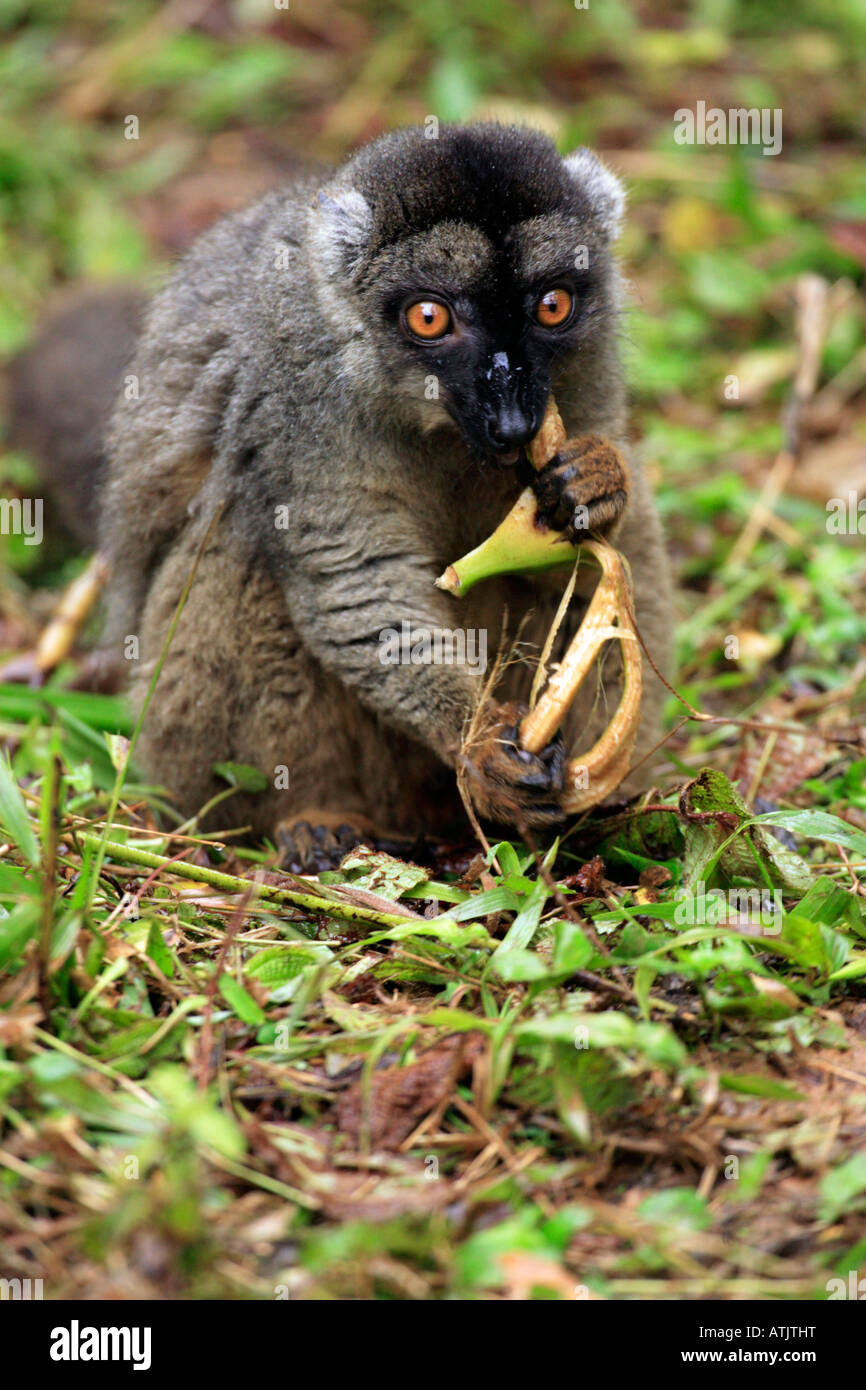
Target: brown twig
{"points": [[811, 292], [231, 932]]}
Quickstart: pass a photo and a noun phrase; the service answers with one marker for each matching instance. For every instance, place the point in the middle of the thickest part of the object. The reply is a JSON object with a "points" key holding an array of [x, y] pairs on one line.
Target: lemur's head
{"points": [[466, 265]]}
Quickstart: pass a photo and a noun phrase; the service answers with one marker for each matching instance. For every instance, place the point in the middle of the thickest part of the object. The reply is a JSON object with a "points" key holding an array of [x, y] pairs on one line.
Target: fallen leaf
{"points": [[774, 989], [400, 1097], [525, 1272], [792, 759]]}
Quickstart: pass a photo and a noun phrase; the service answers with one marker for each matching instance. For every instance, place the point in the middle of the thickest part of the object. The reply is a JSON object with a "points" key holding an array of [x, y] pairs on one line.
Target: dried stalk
{"points": [[593, 776], [812, 320], [72, 612]]}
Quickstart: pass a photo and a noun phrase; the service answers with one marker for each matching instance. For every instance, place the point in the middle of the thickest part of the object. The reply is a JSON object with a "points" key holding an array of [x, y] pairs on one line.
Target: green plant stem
{"points": [[228, 883], [50, 827]]}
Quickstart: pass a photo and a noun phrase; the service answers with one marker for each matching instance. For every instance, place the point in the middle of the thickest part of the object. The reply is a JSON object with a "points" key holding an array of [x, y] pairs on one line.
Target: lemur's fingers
{"points": [[583, 488], [507, 784]]}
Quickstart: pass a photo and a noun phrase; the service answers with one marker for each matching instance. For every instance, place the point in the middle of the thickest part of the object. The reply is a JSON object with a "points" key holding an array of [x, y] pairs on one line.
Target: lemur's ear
{"points": [[344, 223], [604, 192]]}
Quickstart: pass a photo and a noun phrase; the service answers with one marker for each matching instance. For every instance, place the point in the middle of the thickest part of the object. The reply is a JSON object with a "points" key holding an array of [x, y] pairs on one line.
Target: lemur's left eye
{"points": [[553, 308]]}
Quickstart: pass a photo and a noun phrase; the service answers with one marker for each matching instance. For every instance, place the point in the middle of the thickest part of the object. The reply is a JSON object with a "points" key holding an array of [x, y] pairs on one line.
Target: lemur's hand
{"points": [[583, 488], [509, 785]]}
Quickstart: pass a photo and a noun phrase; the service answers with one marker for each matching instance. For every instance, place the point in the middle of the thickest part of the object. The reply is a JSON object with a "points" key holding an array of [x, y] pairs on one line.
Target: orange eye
{"points": [[427, 319], [553, 308]]}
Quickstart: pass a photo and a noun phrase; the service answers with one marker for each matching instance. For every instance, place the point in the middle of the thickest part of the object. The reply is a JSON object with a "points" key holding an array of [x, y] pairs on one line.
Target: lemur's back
{"points": [[61, 390]]}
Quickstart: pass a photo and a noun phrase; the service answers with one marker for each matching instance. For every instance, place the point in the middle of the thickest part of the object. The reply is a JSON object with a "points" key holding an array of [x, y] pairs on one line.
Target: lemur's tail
{"points": [[61, 389]]}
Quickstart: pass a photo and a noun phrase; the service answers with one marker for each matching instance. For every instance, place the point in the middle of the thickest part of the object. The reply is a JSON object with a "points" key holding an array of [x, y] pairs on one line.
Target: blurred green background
{"points": [[229, 95]]}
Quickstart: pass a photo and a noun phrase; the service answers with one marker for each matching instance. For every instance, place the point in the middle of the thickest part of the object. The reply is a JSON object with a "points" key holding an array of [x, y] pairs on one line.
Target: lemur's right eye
{"points": [[428, 319]]}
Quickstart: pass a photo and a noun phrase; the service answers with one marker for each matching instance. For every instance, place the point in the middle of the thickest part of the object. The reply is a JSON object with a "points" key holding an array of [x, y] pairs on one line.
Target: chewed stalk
{"points": [[519, 545], [522, 544]]}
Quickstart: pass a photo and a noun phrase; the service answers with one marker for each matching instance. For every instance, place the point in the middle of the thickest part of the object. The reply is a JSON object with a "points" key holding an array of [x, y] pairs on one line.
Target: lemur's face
{"points": [[483, 323], [475, 261]]}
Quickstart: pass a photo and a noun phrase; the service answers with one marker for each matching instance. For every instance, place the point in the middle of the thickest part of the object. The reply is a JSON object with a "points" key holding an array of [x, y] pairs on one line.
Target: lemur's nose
{"points": [[510, 428]]}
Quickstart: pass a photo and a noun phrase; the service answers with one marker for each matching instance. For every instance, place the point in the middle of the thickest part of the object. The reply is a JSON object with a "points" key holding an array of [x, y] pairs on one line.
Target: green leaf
{"points": [[571, 952], [240, 1001], [241, 775], [572, 949], [752, 1170], [195, 1113], [643, 983], [105, 240], [813, 946], [758, 1086], [443, 929], [565, 1223], [571, 1105], [16, 929], [128, 1041], [828, 902], [280, 963], [818, 825], [60, 1084], [118, 750], [381, 873], [477, 1262], [506, 856], [660, 1044], [585, 1082], [483, 904], [525, 924], [634, 941], [839, 1187], [64, 936], [714, 811], [609, 1029], [158, 951], [16, 882], [432, 888], [723, 282], [852, 971], [519, 964], [13, 815], [676, 1207], [17, 702], [454, 91]]}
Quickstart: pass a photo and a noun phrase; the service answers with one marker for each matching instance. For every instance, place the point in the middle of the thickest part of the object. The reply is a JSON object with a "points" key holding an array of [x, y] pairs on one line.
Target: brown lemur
{"points": [[353, 367]]}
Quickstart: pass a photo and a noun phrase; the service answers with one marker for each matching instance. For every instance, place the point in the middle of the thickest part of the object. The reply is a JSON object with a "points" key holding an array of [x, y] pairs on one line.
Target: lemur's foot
{"points": [[317, 841]]}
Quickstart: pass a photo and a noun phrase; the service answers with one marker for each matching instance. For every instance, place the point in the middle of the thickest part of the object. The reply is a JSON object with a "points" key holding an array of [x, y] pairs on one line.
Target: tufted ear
{"points": [[344, 225], [604, 192]]}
